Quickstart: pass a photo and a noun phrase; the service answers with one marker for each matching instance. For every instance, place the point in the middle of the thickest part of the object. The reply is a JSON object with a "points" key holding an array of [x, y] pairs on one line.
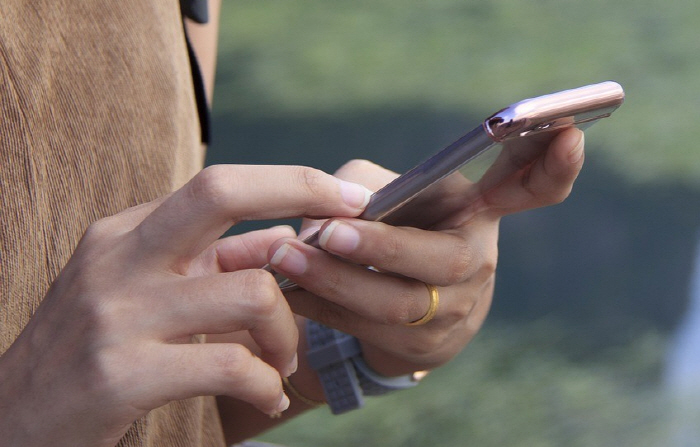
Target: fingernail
{"points": [[289, 260], [292, 368], [283, 405], [577, 152], [339, 237], [354, 195]]}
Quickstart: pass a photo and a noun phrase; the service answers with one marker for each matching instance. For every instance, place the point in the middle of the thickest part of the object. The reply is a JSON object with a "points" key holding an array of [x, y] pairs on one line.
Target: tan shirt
{"points": [[97, 114]]}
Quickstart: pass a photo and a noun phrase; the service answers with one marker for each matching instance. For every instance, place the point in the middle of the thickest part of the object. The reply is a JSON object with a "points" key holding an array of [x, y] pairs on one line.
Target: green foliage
{"points": [[317, 58], [511, 387], [317, 83]]}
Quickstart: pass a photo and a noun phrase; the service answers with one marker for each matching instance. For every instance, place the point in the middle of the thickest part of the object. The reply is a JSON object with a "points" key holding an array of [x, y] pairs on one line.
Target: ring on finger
{"points": [[432, 309]]}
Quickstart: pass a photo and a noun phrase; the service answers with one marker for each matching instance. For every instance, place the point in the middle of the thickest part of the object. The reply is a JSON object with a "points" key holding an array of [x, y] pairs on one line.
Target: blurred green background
{"points": [[589, 292]]}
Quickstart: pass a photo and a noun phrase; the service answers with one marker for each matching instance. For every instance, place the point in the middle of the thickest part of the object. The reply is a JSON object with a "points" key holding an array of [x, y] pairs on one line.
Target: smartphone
{"points": [[495, 150]]}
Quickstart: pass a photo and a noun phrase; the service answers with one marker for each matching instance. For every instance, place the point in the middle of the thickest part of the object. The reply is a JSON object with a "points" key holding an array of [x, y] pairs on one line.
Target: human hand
{"points": [[459, 255], [112, 338]]}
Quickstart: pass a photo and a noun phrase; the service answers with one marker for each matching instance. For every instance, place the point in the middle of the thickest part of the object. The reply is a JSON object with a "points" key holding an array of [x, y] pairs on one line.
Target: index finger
{"points": [[219, 196]]}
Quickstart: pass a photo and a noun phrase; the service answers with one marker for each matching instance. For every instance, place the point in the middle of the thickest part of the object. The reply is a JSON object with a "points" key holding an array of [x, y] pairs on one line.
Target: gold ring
{"points": [[292, 389], [432, 310]]}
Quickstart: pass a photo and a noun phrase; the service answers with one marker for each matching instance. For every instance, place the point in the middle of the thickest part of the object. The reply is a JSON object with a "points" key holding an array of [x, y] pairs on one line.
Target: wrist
{"points": [[305, 380], [386, 364], [344, 375]]}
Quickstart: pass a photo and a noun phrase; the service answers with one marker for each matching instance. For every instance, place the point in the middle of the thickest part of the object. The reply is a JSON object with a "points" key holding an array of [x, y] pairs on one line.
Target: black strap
{"points": [[200, 95], [197, 10]]}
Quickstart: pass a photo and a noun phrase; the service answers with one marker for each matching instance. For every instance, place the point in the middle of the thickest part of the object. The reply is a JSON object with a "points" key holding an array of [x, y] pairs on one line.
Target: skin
{"points": [[204, 39], [459, 255], [112, 338]]}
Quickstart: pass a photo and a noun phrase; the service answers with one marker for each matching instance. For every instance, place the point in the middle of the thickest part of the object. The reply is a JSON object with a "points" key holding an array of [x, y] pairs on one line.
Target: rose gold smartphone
{"points": [[497, 149]]}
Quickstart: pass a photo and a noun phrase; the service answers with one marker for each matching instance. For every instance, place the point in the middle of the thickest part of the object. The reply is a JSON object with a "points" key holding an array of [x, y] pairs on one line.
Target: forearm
{"points": [[241, 421]]}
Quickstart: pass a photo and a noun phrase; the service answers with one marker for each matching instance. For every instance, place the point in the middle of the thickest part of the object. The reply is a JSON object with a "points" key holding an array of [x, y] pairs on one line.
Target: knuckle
{"points": [[98, 231], [396, 315], [233, 363], [102, 378], [462, 311], [102, 363], [488, 268], [211, 185], [102, 243], [267, 300], [399, 310], [469, 261], [427, 345], [333, 283], [560, 196], [461, 263], [310, 179], [548, 198], [105, 316], [391, 250]]}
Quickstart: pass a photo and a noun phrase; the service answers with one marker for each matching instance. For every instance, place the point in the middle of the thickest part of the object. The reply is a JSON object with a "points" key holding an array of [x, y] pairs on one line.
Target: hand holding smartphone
{"points": [[502, 145]]}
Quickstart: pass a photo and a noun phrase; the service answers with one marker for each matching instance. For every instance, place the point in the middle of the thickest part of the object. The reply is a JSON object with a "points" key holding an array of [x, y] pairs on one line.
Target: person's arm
{"points": [[459, 256], [112, 338]]}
